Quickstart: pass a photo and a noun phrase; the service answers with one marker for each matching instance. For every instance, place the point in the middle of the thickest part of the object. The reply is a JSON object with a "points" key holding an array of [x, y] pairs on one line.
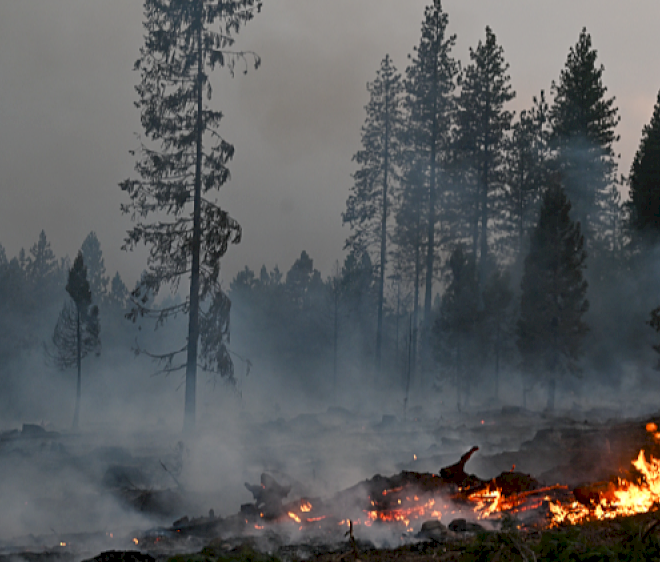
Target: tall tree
{"points": [[455, 329], [482, 125], [186, 159], [550, 327], [645, 178], [583, 131], [430, 84], [527, 169], [409, 239], [77, 330], [93, 256], [368, 206]]}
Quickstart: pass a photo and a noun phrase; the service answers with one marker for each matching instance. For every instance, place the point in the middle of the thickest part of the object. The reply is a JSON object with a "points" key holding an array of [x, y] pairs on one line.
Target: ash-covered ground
{"points": [[102, 487]]}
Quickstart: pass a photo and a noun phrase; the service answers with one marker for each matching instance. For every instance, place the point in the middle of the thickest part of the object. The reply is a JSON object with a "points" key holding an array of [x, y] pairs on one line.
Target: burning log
{"points": [[455, 474]]}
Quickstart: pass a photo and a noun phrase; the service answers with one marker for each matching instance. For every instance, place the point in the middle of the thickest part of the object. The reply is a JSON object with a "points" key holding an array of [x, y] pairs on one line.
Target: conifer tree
{"points": [[583, 132], [77, 330], [645, 179], [409, 238], [42, 273], [482, 125], [93, 256], [550, 327], [455, 329], [180, 165], [372, 196], [430, 102], [527, 169]]}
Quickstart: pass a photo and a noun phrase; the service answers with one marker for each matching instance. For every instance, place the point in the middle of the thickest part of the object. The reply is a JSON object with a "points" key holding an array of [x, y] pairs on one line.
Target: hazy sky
{"points": [[67, 119]]}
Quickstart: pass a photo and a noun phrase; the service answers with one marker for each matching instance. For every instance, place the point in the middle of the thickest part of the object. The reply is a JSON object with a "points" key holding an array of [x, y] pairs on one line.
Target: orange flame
{"points": [[294, 517]]}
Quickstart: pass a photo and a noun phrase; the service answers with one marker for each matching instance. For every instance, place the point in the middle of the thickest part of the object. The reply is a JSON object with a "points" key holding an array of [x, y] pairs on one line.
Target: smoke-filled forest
{"points": [[493, 256], [495, 260]]}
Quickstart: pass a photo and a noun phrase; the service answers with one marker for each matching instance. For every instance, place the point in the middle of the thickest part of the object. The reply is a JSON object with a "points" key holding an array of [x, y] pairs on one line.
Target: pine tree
{"points": [[430, 85], [583, 133], [93, 256], [118, 294], [645, 179], [77, 330], [482, 126], [527, 169], [455, 329], [409, 238], [184, 160], [42, 273], [372, 196], [550, 328]]}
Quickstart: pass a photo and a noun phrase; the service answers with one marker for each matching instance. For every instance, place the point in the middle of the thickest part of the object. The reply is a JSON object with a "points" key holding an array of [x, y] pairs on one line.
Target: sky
{"points": [[67, 119]]}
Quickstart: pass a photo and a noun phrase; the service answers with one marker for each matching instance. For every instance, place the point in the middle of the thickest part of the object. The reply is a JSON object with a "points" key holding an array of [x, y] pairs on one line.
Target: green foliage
{"points": [[372, 195], [526, 174], [550, 328], [430, 83], [77, 332], [182, 162], [645, 179], [98, 280], [481, 138], [583, 131]]}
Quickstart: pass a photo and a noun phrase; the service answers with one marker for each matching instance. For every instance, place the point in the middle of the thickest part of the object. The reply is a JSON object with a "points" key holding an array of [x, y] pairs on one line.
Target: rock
{"points": [[463, 526]]}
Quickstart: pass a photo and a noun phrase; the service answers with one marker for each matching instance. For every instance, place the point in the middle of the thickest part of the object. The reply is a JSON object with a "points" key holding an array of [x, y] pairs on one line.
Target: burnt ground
{"points": [[74, 495]]}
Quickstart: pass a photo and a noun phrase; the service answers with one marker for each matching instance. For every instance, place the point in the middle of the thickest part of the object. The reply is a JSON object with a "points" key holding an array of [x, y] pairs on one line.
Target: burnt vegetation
{"points": [[495, 260]]}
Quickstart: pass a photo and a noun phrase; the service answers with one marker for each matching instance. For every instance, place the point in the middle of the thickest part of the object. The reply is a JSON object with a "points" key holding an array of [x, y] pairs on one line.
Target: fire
{"points": [[305, 506], [404, 514], [294, 517], [627, 499], [135, 540]]}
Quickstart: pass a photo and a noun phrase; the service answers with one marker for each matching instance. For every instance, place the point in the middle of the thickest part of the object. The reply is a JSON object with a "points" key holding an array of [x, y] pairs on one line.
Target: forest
{"points": [[493, 258]]}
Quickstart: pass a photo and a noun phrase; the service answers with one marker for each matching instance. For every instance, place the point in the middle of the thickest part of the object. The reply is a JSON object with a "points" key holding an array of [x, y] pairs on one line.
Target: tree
{"points": [[77, 330], [550, 328], [482, 125], [430, 84], [526, 172], [645, 178], [118, 294], [583, 134], [368, 206], [42, 273], [185, 159], [93, 256], [456, 326]]}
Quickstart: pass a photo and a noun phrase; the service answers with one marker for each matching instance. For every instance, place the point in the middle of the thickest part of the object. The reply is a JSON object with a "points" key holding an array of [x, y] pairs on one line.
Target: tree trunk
{"points": [[193, 317], [76, 413], [383, 236]]}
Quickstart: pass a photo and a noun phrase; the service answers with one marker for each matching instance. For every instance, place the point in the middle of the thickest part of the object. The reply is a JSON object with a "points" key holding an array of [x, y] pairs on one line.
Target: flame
{"points": [[135, 540], [258, 527], [651, 427], [628, 499], [62, 544], [305, 506], [294, 517]]}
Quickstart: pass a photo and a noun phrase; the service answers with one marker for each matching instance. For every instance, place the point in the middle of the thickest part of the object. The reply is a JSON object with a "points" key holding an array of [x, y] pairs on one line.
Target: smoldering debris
{"points": [[84, 493]]}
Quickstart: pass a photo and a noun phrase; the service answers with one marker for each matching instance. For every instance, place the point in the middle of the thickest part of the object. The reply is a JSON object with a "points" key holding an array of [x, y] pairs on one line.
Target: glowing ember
{"points": [[305, 506]]}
